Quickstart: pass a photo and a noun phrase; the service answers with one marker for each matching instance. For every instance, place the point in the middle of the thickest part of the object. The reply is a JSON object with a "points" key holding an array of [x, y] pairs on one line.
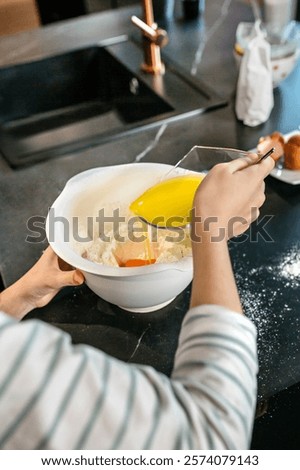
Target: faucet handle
{"points": [[162, 38], [157, 36], [154, 39]]}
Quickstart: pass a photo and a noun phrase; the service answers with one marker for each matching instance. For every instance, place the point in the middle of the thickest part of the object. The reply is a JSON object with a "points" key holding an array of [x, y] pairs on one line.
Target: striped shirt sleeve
{"points": [[54, 395]]}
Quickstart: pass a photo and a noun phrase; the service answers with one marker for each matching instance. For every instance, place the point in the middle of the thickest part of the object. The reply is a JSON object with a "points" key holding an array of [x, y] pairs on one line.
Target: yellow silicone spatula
{"points": [[168, 204]]}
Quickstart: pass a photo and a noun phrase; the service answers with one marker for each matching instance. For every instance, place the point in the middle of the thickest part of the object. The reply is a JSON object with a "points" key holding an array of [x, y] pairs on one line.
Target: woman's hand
{"points": [[229, 198], [39, 285], [226, 203]]}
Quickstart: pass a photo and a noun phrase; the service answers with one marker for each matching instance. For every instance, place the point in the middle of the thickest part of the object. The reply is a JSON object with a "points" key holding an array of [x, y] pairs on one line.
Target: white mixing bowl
{"points": [[137, 289]]}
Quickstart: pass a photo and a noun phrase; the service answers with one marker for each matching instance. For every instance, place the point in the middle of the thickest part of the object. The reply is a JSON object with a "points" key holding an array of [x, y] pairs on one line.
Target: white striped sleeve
{"points": [[216, 364], [54, 395]]}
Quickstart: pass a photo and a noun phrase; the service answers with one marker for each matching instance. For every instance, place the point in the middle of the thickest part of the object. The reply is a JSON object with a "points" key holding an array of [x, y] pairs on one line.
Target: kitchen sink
{"points": [[87, 96]]}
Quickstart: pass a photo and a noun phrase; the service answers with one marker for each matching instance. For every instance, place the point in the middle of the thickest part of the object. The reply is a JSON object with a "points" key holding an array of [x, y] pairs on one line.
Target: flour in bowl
{"points": [[124, 240]]}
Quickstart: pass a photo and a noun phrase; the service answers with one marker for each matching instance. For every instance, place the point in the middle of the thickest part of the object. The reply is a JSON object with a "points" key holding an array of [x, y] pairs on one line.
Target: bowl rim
{"points": [[64, 250], [240, 51]]}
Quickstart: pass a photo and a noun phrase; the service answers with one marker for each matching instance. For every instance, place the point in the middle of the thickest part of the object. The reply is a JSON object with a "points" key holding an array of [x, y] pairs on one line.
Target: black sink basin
{"points": [[83, 97]]}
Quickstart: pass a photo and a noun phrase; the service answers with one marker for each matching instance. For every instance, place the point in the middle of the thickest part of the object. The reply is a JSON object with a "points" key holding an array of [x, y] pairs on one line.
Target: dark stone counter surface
{"points": [[263, 269]]}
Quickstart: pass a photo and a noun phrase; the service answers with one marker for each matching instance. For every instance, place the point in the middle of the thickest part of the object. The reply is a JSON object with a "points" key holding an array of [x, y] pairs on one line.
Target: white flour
{"points": [[121, 242], [268, 294], [290, 268]]}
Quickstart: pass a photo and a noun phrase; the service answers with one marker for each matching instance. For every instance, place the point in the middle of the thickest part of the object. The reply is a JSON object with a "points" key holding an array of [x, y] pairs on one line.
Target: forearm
{"points": [[14, 300], [214, 281], [39, 285]]}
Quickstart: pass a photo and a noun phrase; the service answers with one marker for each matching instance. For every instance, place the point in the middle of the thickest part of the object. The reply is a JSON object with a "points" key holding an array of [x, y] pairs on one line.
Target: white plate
{"points": [[281, 173]]}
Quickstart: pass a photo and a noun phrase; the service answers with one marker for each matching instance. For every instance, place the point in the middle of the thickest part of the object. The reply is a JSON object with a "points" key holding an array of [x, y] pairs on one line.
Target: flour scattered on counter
{"points": [[269, 294], [290, 267], [255, 299]]}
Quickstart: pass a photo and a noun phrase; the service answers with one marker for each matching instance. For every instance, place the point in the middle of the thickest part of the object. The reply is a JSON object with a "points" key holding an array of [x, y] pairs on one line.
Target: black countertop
{"points": [[269, 293]]}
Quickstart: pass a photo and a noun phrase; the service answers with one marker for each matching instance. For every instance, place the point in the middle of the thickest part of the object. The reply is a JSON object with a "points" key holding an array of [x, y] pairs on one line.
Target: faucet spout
{"points": [[154, 39]]}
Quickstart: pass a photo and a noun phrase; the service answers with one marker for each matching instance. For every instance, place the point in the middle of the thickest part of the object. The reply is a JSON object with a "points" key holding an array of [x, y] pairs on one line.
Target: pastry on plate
{"points": [[292, 153], [275, 140]]}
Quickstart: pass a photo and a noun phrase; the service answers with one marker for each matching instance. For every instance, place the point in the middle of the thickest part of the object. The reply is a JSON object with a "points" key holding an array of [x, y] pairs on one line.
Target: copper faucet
{"points": [[154, 39]]}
